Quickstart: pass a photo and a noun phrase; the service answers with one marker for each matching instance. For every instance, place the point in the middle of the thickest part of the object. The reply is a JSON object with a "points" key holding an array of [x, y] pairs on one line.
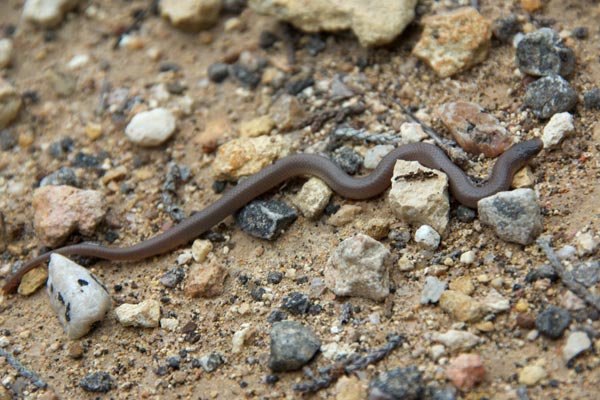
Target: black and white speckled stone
{"points": [[550, 95], [292, 346], [543, 53], [78, 297], [399, 383], [265, 219]]}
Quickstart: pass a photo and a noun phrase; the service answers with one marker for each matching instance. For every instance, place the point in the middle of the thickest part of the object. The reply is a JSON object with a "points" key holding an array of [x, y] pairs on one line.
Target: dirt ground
{"points": [[566, 181]]}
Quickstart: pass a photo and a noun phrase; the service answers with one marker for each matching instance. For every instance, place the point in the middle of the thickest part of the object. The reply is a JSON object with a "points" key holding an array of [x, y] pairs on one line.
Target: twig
{"points": [[287, 31], [331, 373], [24, 372], [565, 276], [361, 135]]}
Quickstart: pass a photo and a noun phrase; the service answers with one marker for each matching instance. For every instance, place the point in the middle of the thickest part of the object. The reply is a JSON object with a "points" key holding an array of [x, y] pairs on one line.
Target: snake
{"points": [[359, 188]]}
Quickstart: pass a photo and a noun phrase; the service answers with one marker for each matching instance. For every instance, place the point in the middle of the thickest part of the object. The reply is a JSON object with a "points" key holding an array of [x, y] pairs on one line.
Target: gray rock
{"points": [[375, 154], [427, 237], [359, 266], [587, 273], [504, 29], [398, 383], [292, 346], [543, 53], [64, 176], [77, 296], [211, 362], [218, 72], [577, 343], [265, 219], [432, 290], [515, 216], [591, 99], [347, 159], [553, 321], [296, 303], [172, 277], [97, 382], [550, 95]]}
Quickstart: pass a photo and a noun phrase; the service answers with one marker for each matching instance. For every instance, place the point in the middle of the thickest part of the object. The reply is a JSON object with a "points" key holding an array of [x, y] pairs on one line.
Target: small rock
{"points": [[530, 375], [245, 76], [543, 53], [553, 321], [99, 382], [211, 362], [577, 343], [468, 257], [559, 126], [241, 337], [191, 15], [62, 210], [287, 113], [432, 291], [359, 266], [504, 29], [206, 281], [474, 128], [463, 284], [312, 199], [47, 13], [292, 346], [456, 340], [591, 99], [8, 140], [494, 303], [462, 307], [375, 154], [344, 215], [419, 195], [587, 273], [378, 228], [349, 388], [200, 249], [466, 371], [296, 303], [64, 176], [347, 159], [151, 128], [10, 103], [374, 26], [515, 216], [76, 351], [143, 315], [427, 237], [218, 72], [339, 90], [173, 277], [531, 6], [32, 280], [265, 219], [247, 156], [297, 85], [6, 49], [586, 243], [411, 132], [399, 383], [267, 39], [78, 298], [170, 324], [63, 83], [454, 41], [550, 95], [257, 127]]}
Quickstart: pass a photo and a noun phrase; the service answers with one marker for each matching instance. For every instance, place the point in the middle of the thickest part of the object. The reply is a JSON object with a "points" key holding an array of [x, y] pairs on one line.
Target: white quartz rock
{"points": [[78, 297]]}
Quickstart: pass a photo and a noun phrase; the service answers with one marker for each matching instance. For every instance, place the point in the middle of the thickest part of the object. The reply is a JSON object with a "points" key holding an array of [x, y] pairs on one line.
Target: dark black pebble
{"points": [[265, 219], [244, 76], [174, 361], [169, 66], [553, 321], [218, 72], [543, 53], [267, 39], [550, 95], [296, 303], [274, 277], [276, 316], [591, 99], [97, 382], [581, 32], [399, 383], [504, 29], [271, 379], [465, 214], [347, 159], [295, 86], [233, 6], [292, 346], [172, 277]]}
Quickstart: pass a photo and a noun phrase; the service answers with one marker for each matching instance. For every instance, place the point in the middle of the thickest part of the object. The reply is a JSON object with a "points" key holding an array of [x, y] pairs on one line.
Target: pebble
{"points": [[468, 257], [475, 129], [462, 307], [515, 216], [577, 343], [495, 303], [8, 140], [267, 39], [586, 243], [78, 297], [375, 154], [427, 237], [218, 72], [47, 13], [347, 159], [200, 249], [378, 228], [247, 156], [411, 132], [211, 362], [466, 371], [151, 128], [372, 25], [587, 273], [543, 53], [456, 340], [173, 277], [505, 28], [257, 127], [296, 86], [312, 198], [530, 375], [292, 346], [6, 49], [432, 290], [454, 41], [550, 95], [143, 315], [265, 219], [553, 321], [170, 324], [287, 113], [344, 215], [350, 388], [591, 99], [62, 210], [63, 176], [419, 195], [32, 281], [559, 126], [99, 382], [359, 266], [191, 15], [241, 337], [63, 83], [296, 303], [338, 90], [463, 284], [245, 76], [10, 103], [399, 383], [206, 281]]}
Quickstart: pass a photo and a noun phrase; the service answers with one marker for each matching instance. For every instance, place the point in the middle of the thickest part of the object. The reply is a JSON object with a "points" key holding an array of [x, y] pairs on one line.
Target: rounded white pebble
{"points": [[468, 257], [427, 237], [151, 128], [6, 49]]}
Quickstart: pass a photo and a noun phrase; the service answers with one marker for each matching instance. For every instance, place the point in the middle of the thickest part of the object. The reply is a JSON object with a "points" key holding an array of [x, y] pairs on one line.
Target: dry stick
{"points": [[565, 276], [24, 372]]}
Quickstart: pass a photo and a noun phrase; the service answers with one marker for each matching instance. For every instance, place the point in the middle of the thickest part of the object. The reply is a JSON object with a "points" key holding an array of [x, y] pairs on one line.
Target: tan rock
{"points": [[346, 214], [530, 375], [350, 388], [257, 126], [191, 15], [462, 307], [287, 113], [10, 103], [32, 280], [463, 284], [200, 249], [206, 281], [312, 199], [145, 314]]}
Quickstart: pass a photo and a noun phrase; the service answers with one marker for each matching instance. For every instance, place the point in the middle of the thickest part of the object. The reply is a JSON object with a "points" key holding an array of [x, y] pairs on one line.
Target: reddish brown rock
{"points": [[475, 130], [466, 371], [206, 281], [62, 210]]}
